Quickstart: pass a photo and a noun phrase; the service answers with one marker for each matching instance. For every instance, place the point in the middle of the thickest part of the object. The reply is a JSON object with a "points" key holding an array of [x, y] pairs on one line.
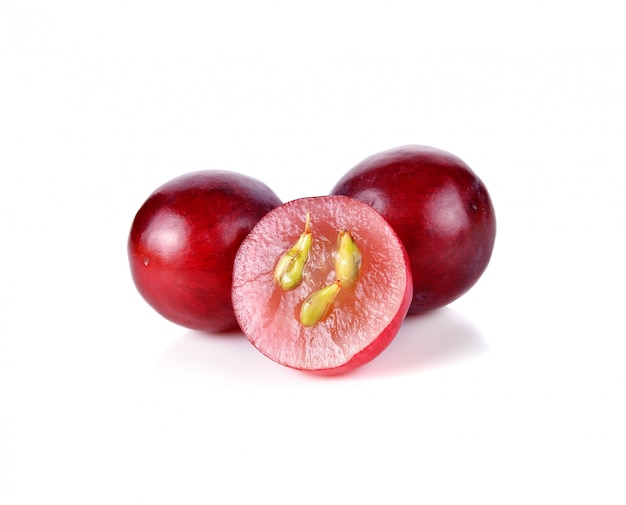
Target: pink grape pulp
{"points": [[364, 318]]}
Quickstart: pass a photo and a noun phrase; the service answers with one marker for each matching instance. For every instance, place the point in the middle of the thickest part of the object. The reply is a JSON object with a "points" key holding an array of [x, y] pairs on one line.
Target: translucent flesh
{"points": [[361, 313]]}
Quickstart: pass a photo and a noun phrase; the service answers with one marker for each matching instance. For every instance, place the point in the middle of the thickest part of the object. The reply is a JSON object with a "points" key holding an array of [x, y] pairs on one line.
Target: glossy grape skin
{"points": [[183, 243], [441, 211]]}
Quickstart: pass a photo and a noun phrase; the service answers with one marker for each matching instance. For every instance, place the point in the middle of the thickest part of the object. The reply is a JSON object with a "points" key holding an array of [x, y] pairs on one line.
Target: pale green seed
{"points": [[347, 259], [317, 306], [290, 266]]}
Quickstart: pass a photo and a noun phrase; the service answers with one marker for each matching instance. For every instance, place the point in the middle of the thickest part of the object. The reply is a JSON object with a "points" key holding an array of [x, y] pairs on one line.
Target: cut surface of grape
{"points": [[354, 292]]}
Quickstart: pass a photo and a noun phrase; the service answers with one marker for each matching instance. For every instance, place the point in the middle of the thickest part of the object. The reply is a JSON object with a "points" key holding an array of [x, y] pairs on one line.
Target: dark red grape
{"points": [[441, 211]]}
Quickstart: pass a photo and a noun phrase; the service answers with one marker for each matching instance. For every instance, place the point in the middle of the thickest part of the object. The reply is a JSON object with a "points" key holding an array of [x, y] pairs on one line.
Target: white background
{"points": [[512, 394]]}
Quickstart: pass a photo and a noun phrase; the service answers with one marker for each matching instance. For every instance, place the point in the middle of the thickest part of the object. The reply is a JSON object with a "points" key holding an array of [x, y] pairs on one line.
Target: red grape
{"points": [[183, 242], [441, 211]]}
